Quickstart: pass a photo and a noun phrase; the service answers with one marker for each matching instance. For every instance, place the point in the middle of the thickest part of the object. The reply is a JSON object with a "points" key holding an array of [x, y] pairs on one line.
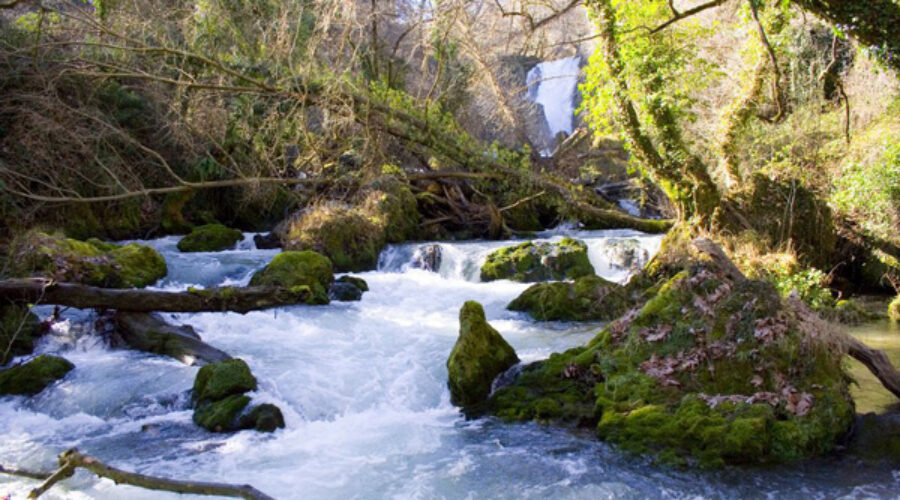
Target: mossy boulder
{"points": [[355, 281], [894, 309], [18, 329], [218, 381], [391, 205], [538, 261], [588, 298], [712, 370], [210, 238], [264, 418], [298, 269], [91, 262], [220, 402], [343, 234], [344, 292], [479, 356], [34, 376]]}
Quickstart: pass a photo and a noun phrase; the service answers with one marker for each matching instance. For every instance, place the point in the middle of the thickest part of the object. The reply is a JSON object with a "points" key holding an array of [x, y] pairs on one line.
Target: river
{"points": [[363, 389]]}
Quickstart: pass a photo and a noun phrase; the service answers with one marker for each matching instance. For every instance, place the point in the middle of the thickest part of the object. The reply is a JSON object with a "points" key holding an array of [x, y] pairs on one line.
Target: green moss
{"points": [[172, 218], [588, 298], [877, 438], [479, 356], [539, 261], [350, 239], [220, 380], [894, 309], [34, 376], [210, 238], [298, 269], [221, 415], [710, 371], [18, 329], [392, 206], [93, 262], [357, 282]]}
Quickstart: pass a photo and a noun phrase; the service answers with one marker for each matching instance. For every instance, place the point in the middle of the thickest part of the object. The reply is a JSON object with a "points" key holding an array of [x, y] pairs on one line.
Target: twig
{"points": [[523, 201]]}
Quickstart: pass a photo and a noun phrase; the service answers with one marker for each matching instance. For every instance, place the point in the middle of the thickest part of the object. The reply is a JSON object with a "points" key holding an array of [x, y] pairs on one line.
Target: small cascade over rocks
{"points": [[553, 85]]}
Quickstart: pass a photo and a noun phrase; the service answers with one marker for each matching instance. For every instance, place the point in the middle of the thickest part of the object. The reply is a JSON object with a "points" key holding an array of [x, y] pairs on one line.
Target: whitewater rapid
{"points": [[363, 389]]}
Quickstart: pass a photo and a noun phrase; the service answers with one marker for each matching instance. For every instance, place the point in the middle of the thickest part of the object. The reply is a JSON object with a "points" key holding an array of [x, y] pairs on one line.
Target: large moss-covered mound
{"points": [[18, 329], [34, 376], [586, 299], [91, 262], [340, 232], [298, 269], [210, 238], [712, 370], [353, 234], [479, 356], [538, 261]]}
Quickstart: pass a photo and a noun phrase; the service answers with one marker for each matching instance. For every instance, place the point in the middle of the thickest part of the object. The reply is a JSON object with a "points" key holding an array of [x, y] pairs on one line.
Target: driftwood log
{"points": [[236, 299], [73, 459], [149, 332]]}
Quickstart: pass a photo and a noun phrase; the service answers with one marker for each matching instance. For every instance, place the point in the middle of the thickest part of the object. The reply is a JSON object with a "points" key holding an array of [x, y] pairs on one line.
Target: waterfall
{"points": [[553, 84]]}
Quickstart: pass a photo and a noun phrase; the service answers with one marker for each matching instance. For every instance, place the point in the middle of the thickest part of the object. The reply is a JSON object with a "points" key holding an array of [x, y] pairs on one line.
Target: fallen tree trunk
{"points": [[236, 299], [73, 459], [151, 333], [877, 362]]}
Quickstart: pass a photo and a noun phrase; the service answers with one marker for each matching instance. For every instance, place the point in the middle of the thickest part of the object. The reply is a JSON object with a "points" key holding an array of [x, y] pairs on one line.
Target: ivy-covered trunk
{"points": [[681, 174]]}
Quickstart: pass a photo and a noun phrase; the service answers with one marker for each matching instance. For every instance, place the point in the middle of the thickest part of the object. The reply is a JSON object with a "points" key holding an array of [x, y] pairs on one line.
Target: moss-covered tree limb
{"points": [[241, 300], [72, 459]]}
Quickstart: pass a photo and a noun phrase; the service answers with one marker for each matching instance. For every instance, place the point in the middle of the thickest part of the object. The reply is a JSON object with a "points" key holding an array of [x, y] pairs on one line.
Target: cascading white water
{"points": [[552, 84], [363, 389]]}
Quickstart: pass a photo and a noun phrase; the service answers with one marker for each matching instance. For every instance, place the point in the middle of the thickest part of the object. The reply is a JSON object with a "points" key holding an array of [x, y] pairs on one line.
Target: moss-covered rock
{"points": [[33, 376], [894, 309], [344, 292], [18, 329], [479, 356], [355, 281], [221, 415], [91, 262], [876, 438], [210, 238], [586, 299], [350, 239], [220, 402], [391, 205], [538, 261], [264, 418], [709, 371], [298, 269], [218, 381]]}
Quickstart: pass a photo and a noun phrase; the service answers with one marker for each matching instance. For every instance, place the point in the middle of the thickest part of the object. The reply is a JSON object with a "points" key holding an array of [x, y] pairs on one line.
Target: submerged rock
{"points": [[626, 254], [298, 269], [344, 292], [479, 356], [541, 261], [33, 376], [210, 238], [711, 370], [267, 241], [588, 298], [427, 258], [91, 262], [18, 329], [355, 281]]}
